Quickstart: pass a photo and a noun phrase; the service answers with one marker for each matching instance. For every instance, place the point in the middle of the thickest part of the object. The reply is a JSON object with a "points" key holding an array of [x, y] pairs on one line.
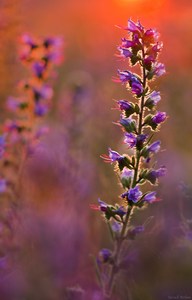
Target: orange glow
{"points": [[128, 1]]}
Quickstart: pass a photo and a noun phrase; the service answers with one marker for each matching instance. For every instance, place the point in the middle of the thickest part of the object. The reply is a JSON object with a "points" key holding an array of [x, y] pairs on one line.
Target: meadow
{"points": [[59, 63]]}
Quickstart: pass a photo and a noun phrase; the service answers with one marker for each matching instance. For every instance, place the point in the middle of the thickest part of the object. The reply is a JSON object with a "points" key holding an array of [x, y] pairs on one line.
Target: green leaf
{"points": [[134, 59], [137, 108]]}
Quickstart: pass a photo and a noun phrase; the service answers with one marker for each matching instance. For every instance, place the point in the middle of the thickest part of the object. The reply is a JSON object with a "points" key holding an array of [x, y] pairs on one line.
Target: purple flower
{"points": [[44, 92], [134, 82], [157, 47], [153, 175], [128, 124], [2, 141], [3, 185], [130, 139], [158, 69], [127, 43], [27, 40], [132, 232], [154, 147], [112, 157], [12, 103], [150, 37], [125, 52], [125, 76], [159, 117], [133, 194], [161, 171], [154, 50], [150, 197], [40, 109], [148, 60], [54, 57], [116, 226], [136, 87], [104, 255], [127, 173], [124, 105], [135, 27], [153, 98], [126, 177], [102, 205], [38, 69], [2, 145], [120, 211], [53, 41], [133, 140]]}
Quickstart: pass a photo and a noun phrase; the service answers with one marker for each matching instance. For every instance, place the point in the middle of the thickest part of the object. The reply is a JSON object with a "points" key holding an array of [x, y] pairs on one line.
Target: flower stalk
{"points": [[139, 121]]}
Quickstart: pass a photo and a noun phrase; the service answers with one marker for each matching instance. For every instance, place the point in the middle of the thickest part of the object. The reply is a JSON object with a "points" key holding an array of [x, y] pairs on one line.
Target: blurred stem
{"points": [[120, 240]]}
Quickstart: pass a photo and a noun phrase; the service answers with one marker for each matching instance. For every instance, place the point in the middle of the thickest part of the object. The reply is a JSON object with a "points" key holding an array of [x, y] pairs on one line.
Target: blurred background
{"points": [[58, 233]]}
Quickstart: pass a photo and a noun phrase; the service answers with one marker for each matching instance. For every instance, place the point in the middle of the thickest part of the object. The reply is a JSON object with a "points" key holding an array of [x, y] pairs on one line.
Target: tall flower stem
{"points": [[141, 47], [120, 241]]}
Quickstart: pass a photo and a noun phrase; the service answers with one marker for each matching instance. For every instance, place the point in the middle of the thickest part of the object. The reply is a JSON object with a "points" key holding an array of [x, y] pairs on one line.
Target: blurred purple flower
{"points": [[150, 197], [3, 185], [41, 109], [154, 97], [132, 232], [38, 69], [104, 255], [116, 226], [53, 42], [130, 139], [159, 117], [2, 145], [161, 171], [44, 92], [153, 175], [158, 69], [154, 147], [28, 40], [12, 103]]}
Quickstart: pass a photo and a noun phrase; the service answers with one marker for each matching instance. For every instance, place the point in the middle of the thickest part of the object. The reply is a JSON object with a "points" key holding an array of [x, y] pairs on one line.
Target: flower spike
{"points": [[139, 121]]}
